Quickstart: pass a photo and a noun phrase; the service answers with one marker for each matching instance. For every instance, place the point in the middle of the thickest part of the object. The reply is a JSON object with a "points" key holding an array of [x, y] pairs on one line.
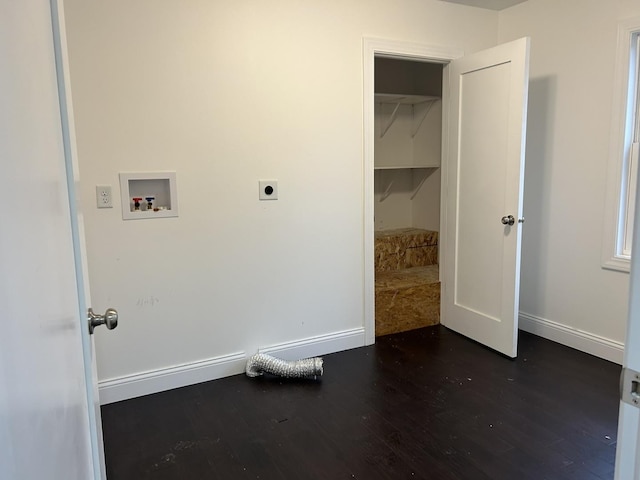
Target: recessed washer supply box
{"points": [[160, 185]]}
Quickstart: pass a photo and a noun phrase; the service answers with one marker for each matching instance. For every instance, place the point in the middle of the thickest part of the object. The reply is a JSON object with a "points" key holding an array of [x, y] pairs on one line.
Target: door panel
{"points": [[45, 411], [483, 175], [478, 248]]}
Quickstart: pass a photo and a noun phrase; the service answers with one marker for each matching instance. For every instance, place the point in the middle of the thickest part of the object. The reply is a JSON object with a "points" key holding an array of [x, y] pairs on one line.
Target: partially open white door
{"points": [[628, 444], [49, 427], [483, 174]]}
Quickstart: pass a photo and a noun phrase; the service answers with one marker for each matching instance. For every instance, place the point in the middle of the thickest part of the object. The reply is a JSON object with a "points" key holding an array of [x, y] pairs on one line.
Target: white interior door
{"points": [[628, 444], [483, 174], [49, 427]]}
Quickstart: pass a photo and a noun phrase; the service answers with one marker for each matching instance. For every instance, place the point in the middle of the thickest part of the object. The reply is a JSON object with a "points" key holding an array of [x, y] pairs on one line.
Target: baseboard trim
{"points": [[146, 383], [137, 385], [584, 341], [319, 345]]}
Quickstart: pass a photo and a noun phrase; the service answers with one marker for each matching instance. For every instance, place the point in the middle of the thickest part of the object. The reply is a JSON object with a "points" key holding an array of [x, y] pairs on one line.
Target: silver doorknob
{"points": [[110, 319], [508, 220]]}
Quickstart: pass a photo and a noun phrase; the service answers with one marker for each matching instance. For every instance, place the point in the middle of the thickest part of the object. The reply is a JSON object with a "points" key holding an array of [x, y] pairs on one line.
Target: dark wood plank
{"points": [[427, 404]]}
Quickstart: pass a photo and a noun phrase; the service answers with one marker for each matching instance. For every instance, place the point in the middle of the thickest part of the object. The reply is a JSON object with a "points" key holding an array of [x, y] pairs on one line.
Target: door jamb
{"points": [[373, 47]]}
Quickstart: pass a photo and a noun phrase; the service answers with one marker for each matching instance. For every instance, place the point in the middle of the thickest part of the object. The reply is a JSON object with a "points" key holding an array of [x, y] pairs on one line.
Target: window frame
{"points": [[622, 175]]}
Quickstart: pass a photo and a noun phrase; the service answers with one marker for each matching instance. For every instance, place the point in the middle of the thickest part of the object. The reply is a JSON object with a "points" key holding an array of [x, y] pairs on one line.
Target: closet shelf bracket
{"points": [[424, 108], [387, 191], [423, 179], [390, 120]]}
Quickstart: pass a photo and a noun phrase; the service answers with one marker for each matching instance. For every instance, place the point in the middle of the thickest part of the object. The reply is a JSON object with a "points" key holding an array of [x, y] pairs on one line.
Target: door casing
{"points": [[375, 47]]}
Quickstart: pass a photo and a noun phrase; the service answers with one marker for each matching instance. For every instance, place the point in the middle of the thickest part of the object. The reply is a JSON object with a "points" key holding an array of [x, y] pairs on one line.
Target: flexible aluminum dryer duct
{"points": [[261, 363]]}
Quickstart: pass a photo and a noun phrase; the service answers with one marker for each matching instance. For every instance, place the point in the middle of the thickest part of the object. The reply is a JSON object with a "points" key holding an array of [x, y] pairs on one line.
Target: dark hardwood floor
{"points": [[427, 404]]}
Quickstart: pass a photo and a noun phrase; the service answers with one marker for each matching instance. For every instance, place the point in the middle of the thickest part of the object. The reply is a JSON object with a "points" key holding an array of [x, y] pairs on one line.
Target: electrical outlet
{"points": [[268, 189], [104, 199]]}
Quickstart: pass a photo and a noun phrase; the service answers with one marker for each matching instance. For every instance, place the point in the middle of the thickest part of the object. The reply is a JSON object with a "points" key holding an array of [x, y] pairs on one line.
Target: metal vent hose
{"points": [[261, 363]]}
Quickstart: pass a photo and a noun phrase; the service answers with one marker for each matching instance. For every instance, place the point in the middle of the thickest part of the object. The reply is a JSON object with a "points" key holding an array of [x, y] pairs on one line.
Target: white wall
{"points": [[226, 93], [565, 294]]}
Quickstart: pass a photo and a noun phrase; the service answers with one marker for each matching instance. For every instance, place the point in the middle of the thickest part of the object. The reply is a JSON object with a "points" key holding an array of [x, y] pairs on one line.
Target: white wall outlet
{"points": [[104, 199], [268, 189]]}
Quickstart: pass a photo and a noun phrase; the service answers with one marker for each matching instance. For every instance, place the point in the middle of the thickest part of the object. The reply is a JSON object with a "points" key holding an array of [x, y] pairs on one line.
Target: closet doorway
{"points": [[407, 158], [480, 170]]}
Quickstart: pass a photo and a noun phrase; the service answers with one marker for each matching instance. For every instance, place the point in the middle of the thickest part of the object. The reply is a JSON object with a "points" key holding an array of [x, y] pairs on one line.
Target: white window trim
{"points": [[612, 255]]}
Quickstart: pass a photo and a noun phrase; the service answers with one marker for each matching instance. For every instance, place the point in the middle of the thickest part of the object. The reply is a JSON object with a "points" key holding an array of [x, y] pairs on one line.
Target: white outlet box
{"points": [[104, 198], [268, 189]]}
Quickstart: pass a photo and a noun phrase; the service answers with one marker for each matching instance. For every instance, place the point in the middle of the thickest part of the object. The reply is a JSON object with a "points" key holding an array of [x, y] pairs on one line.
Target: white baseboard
{"points": [[319, 345], [131, 386], [584, 341], [137, 385]]}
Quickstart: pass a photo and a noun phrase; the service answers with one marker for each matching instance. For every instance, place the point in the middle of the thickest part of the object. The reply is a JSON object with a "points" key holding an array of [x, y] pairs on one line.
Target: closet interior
{"points": [[407, 156]]}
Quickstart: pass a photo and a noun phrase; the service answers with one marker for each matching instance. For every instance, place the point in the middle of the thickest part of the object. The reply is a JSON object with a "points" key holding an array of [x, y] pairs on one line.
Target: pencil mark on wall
{"points": [[149, 301]]}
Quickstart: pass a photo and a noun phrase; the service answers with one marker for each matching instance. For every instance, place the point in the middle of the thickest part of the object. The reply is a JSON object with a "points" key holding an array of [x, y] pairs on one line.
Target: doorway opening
{"points": [[402, 186], [407, 159]]}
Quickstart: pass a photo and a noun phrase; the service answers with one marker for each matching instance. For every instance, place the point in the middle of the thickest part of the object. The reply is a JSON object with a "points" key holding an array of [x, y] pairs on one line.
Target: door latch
{"points": [[630, 387], [510, 220]]}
